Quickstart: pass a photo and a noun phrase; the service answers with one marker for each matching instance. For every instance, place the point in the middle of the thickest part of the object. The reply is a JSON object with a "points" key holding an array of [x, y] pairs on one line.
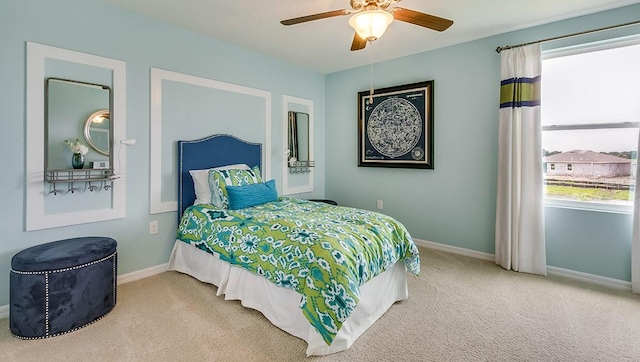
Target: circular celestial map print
{"points": [[394, 127]]}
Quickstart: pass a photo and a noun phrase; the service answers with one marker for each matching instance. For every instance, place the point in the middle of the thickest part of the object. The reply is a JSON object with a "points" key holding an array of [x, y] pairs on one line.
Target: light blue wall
{"points": [[455, 203], [142, 44]]}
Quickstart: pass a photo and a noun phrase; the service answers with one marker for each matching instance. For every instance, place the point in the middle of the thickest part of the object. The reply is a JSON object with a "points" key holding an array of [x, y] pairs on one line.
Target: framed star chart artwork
{"points": [[395, 126]]}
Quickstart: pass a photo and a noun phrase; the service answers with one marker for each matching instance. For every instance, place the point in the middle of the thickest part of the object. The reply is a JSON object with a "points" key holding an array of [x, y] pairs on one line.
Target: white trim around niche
{"points": [[286, 101], [156, 205], [35, 216]]}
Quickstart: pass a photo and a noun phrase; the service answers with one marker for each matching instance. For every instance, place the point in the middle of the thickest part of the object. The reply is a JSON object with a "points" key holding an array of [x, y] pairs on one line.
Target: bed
{"points": [[326, 306]]}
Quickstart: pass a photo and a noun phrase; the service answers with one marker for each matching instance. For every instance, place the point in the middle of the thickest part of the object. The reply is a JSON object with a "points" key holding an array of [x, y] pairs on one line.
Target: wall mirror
{"points": [[298, 142], [81, 111], [298, 137]]}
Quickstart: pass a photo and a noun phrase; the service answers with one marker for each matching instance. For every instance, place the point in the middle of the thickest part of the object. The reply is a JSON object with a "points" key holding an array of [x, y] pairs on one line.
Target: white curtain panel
{"points": [[635, 242], [520, 239]]}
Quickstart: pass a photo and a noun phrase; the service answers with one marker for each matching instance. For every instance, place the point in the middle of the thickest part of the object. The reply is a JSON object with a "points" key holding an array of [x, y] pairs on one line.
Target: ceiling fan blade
{"points": [[304, 19], [421, 19], [358, 43]]}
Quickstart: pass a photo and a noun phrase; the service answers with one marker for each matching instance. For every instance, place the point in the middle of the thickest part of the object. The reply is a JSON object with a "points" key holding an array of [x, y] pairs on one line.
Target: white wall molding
{"points": [[156, 205], [122, 279], [551, 270], [286, 106], [35, 216]]}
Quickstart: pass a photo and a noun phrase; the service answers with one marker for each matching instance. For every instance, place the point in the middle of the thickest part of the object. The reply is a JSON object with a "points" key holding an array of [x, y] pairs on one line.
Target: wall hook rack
{"points": [[301, 166], [103, 177]]}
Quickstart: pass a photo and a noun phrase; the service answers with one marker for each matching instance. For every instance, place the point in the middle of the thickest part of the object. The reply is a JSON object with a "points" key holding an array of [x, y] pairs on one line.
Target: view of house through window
{"points": [[590, 112]]}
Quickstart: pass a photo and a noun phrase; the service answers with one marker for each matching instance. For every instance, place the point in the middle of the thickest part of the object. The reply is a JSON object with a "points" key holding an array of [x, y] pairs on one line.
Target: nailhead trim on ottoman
{"points": [[62, 286]]}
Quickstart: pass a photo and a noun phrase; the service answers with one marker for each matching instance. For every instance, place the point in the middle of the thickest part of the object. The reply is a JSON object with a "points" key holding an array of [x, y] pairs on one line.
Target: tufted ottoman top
{"points": [[63, 254]]}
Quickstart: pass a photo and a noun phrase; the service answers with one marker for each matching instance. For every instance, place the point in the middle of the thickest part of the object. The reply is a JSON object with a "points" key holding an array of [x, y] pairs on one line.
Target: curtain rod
{"points": [[499, 49]]}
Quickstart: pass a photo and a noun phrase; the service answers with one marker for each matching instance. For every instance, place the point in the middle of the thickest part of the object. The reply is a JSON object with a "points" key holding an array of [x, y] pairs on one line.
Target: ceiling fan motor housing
{"points": [[381, 4]]}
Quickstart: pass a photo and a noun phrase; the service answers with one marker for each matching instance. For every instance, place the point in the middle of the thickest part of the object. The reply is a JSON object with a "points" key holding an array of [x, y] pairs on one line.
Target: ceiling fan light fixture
{"points": [[371, 24]]}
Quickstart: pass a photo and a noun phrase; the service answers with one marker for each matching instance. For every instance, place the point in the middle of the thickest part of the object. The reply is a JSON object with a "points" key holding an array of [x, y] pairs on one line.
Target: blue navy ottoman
{"points": [[62, 286]]}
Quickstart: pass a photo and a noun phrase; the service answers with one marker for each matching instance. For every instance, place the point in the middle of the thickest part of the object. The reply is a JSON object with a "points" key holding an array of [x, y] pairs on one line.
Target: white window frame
{"points": [[588, 48]]}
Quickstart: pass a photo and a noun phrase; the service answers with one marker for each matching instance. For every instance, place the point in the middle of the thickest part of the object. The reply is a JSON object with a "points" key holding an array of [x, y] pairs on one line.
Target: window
{"points": [[590, 117]]}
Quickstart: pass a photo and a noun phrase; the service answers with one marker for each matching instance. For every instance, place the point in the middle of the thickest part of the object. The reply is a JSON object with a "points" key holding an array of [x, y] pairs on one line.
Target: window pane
{"points": [[593, 87], [590, 165]]}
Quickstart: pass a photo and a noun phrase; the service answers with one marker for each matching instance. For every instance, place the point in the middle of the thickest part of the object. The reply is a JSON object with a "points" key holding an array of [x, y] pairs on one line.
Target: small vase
{"points": [[77, 161]]}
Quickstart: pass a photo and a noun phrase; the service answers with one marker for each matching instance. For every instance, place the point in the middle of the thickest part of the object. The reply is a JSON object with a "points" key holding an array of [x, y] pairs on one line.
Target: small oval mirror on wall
{"points": [[96, 131]]}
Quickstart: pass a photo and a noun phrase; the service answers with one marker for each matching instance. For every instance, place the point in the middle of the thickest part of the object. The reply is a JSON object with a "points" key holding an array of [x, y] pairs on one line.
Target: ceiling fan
{"points": [[371, 18]]}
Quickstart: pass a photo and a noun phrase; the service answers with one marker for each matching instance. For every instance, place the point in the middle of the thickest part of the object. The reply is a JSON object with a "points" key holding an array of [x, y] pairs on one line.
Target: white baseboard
{"points": [[141, 274], [455, 250], [551, 270], [122, 279], [590, 278]]}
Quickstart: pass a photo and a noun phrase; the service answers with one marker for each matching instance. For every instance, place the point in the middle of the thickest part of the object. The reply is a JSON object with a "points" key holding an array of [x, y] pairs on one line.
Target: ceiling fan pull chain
{"points": [[371, 72]]}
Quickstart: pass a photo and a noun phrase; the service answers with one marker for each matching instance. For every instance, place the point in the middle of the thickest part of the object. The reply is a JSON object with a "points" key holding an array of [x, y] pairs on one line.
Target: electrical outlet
{"points": [[379, 205], [153, 227]]}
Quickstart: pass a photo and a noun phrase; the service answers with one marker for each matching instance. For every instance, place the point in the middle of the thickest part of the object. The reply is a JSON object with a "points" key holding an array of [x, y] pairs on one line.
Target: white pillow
{"points": [[201, 181]]}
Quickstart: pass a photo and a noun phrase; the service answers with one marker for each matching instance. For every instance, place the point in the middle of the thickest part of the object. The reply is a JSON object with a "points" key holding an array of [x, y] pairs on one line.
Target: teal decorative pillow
{"points": [[252, 194], [220, 179]]}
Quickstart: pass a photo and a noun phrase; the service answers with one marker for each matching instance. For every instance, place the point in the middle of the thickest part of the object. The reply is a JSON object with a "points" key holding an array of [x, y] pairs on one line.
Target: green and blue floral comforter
{"points": [[323, 252]]}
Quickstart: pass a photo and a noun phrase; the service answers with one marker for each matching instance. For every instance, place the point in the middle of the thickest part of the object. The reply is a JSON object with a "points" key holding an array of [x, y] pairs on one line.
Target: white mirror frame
{"points": [[286, 107], [35, 216]]}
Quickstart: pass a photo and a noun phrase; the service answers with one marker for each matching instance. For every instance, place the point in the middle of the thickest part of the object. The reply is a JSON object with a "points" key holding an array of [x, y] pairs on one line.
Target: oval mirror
{"points": [[96, 131]]}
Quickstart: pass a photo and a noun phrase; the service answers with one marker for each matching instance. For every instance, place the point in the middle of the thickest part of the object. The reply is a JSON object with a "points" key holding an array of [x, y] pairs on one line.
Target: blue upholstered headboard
{"points": [[209, 152]]}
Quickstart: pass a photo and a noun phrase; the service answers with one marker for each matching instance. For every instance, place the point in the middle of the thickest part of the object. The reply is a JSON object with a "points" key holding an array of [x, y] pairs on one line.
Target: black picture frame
{"points": [[395, 126]]}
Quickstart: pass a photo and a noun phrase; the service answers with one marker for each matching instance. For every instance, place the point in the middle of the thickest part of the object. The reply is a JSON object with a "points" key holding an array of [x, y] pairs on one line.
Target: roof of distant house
{"points": [[582, 156]]}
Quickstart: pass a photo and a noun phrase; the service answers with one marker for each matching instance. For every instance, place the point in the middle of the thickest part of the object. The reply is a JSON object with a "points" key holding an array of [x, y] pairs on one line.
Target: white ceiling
{"points": [[323, 45]]}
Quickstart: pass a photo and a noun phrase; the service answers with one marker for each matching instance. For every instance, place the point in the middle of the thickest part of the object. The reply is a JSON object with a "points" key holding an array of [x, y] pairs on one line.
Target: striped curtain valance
{"points": [[520, 92]]}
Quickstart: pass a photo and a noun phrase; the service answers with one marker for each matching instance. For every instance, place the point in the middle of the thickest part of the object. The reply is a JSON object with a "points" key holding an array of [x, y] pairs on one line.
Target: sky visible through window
{"points": [[594, 87]]}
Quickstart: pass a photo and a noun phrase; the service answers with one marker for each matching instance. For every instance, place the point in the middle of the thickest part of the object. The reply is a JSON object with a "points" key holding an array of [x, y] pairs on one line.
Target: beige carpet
{"points": [[459, 309]]}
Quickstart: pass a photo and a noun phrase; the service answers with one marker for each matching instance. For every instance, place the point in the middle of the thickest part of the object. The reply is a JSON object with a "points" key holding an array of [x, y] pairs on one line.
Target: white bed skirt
{"points": [[281, 306]]}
